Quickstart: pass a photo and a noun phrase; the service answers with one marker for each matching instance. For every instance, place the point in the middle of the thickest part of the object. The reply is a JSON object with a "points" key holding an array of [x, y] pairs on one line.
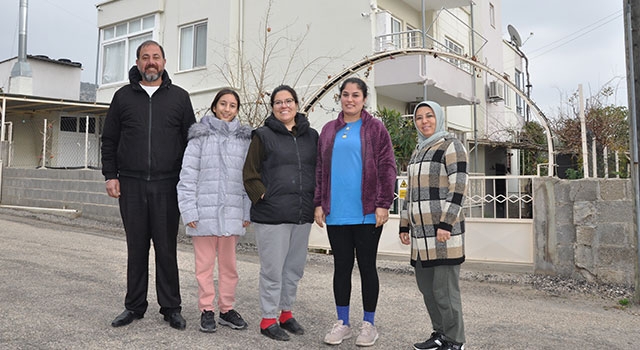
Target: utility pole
{"points": [[632, 44]]}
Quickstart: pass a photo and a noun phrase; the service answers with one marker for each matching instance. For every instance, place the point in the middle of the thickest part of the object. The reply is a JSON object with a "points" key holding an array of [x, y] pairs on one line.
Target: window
{"points": [[519, 82], [507, 96], [396, 27], [193, 46], [453, 47], [77, 124], [414, 37], [118, 47], [492, 15]]}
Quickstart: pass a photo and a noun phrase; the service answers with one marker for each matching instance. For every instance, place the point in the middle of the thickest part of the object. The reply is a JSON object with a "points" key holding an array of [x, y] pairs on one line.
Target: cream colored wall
{"points": [[112, 12], [326, 50], [384, 101], [403, 12], [55, 80]]}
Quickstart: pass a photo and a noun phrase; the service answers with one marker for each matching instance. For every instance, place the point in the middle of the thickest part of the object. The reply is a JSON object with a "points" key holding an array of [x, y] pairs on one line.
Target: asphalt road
{"points": [[60, 287]]}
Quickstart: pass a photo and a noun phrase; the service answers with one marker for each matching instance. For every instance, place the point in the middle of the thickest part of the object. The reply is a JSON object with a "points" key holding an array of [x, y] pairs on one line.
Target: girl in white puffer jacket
{"points": [[214, 205]]}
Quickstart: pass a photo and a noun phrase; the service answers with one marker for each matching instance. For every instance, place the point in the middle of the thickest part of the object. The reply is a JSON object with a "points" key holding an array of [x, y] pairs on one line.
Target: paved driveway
{"points": [[60, 287]]}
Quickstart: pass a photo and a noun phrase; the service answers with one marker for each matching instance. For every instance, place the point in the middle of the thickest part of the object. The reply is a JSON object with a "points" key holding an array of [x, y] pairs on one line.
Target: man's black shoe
{"points": [[176, 320], [126, 317], [292, 326], [275, 332]]}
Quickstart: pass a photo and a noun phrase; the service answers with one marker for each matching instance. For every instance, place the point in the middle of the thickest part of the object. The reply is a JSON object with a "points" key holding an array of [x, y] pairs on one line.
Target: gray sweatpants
{"points": [[441, 292], [283, 253]]}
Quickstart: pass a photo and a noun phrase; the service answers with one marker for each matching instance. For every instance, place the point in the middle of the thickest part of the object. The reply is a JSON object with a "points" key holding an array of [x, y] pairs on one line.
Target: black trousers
{"points": [[149, 211], [361, 242]]}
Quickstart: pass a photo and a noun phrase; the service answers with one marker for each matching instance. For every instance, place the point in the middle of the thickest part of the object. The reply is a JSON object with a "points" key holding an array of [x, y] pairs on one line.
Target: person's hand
{"points": [[246, 223], [443, 235], [192, 224], [113, 188], [318, 216], [382, 216], [405, 238]]}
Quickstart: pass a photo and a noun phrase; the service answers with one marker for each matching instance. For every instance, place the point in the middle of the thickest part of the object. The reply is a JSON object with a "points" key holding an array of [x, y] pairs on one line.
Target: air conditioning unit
{"points": [[496, 91]]}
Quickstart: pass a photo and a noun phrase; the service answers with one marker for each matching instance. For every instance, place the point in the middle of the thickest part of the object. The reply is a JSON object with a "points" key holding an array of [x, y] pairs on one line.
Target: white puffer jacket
{"points": [[210, 191]]}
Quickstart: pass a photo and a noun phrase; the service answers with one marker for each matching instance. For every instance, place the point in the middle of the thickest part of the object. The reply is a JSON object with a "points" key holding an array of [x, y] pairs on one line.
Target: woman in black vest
{"points": [[279, 177]]}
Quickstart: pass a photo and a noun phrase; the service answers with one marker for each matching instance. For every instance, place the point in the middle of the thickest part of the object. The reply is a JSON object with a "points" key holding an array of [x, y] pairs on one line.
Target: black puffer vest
{"points": [[288, 173]]}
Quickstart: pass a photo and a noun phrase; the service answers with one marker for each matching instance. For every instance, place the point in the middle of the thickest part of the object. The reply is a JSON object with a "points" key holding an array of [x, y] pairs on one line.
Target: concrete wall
{"points": [[584, 229], [82, 190]]}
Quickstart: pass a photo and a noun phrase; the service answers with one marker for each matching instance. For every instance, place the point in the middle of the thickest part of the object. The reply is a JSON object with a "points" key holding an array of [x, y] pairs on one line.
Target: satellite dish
{"points": [[515, 37]]}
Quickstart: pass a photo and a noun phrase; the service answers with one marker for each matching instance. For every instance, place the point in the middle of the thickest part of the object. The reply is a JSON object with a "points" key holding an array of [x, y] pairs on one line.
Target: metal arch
{"points": [[387, 55]]}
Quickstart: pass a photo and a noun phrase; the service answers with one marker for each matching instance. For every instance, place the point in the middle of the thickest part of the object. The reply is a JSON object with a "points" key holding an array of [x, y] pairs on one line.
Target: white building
{"points": [[210, 44]]}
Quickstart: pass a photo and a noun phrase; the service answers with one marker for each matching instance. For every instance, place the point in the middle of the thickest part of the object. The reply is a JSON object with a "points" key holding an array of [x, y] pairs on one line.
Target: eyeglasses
{"points": [[288, 102]]}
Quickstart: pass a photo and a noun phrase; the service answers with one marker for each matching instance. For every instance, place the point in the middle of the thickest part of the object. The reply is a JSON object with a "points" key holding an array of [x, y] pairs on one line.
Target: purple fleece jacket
{"points": [[378, 164]]}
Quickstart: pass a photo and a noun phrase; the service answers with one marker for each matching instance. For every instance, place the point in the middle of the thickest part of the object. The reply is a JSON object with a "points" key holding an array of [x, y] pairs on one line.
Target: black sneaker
{"points": [[232, 319], [449, 345], [208, 321], [433, 343]]}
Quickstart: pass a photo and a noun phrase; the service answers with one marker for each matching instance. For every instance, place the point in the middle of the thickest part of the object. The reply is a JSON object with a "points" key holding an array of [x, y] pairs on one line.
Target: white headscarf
{"points": [[440, 132]]}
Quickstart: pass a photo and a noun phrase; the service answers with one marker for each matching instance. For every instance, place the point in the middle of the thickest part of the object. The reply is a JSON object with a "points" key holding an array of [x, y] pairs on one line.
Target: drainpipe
{"points": [[424, 57], [473, 89]]}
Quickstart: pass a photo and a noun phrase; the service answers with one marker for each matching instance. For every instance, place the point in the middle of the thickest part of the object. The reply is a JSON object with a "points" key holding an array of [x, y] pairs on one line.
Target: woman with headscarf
{"points": [[432, 221]]}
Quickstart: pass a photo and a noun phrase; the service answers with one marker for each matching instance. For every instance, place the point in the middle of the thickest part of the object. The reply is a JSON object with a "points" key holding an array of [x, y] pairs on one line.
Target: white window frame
{"points": [[413, 39], [124, 38], [193, 51], [519, 82], [396, 39], [492, 15], [453, 47]]}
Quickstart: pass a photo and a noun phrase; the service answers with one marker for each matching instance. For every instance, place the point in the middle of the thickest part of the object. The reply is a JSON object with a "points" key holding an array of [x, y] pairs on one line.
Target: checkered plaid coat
{"points": [[437, 178]]}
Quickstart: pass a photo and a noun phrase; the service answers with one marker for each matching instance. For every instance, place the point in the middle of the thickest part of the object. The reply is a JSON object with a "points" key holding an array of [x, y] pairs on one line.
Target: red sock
{"points": [[267, 322], [285, 316]]}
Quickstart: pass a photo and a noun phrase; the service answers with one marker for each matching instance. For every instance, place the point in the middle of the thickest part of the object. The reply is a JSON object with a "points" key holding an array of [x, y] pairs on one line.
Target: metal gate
{"points": [[499, 221]]}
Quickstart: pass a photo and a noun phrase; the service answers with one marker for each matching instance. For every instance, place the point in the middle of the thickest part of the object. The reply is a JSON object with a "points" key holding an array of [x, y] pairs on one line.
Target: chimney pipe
{"points": [[22, 68]]}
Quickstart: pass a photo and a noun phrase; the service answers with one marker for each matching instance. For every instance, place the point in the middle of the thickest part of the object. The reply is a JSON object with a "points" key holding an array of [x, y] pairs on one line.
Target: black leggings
{"points": [[363, 240]]}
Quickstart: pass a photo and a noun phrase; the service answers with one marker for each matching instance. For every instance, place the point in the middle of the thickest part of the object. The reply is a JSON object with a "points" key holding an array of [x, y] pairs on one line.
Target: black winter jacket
{"points": [[288, 173], [145, 137]]}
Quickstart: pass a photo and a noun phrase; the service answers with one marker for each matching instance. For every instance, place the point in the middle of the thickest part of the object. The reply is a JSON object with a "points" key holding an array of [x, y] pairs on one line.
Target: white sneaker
{"points": [[338, 333], [368, 335]]}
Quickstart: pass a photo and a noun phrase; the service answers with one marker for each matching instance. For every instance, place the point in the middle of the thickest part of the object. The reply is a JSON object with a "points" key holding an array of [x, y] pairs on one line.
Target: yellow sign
{"points": [[402, 193]]}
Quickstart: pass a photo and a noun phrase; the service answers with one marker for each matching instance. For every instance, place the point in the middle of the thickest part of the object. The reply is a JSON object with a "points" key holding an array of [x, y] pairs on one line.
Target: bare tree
{"points": [[253, 78]]}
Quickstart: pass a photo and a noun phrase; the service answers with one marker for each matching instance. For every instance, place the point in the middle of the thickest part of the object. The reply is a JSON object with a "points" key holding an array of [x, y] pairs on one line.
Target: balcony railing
{"points": [[413, 39]]}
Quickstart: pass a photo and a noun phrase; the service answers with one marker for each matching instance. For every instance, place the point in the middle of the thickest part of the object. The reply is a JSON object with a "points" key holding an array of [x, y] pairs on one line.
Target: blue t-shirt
{"points": [[346, 178]]}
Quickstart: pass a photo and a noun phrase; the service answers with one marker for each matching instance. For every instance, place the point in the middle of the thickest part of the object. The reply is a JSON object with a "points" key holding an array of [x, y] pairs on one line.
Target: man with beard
{"points": [[143, 141]]}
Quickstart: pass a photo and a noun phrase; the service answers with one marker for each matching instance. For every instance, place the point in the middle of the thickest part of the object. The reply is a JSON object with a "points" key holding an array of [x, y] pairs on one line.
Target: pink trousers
{"points": [[206, 249]]}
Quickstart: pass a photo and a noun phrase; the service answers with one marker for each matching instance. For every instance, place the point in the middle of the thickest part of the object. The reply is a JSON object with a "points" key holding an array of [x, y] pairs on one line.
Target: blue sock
{"points": [[343, 314], [369, 316]]}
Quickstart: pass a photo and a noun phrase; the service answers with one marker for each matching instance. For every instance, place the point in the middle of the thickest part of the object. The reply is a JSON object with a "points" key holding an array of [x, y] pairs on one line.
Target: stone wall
{"points": [[585, 229]]}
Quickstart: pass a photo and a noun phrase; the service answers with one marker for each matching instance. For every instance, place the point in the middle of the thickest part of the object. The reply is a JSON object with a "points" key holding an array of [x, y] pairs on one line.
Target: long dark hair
{"points": [[225, 91]]}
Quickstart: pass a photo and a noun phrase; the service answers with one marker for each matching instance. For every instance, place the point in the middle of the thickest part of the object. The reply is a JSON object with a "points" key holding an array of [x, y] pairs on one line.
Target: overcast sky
{"points": [[57, 29], [574, 41]]}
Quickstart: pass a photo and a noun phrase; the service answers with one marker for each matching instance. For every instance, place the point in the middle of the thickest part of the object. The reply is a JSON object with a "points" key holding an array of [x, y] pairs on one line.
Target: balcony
{"points": [[448, 81]]}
